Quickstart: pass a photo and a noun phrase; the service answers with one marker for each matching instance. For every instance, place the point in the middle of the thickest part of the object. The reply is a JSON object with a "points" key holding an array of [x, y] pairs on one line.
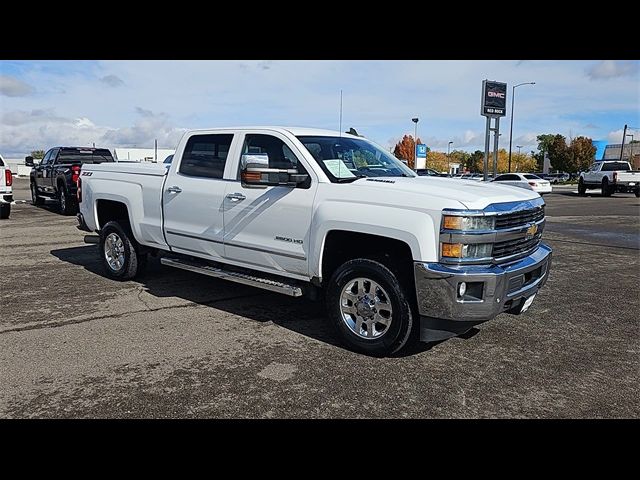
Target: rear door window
{"points": [[206, 155]]}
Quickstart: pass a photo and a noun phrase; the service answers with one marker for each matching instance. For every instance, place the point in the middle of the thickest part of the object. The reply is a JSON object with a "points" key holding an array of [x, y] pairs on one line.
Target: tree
{"points": [[405, 148], [37, 154], [556, 147], [581, 154], [438, 161], [460, 157], [475, 162]]}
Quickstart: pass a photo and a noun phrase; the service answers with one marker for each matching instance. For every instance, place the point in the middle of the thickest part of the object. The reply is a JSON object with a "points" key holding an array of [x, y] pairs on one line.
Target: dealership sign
{"points": [[422, 150], [494, 99]]}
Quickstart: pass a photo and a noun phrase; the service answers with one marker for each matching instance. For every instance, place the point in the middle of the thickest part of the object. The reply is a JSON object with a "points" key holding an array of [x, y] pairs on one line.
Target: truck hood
{"points": [[471, 194]]}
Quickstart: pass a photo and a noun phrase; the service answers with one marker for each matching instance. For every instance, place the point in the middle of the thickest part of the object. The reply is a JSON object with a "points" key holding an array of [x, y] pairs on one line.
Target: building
{"points": [[631, 153], [141, 154]]}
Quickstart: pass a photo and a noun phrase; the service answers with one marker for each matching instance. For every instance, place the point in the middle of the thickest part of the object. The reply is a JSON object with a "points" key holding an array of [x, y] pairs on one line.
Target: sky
{"points": [[127, 103]]}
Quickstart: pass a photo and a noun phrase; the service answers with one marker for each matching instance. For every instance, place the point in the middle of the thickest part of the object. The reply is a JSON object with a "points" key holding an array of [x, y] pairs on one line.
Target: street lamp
{"points": [[415, 143], [518, 147], [449, 157], [513, 97]]}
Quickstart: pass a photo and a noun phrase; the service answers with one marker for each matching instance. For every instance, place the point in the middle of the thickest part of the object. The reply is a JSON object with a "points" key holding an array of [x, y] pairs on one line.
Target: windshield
{"points": [[346, 159], [85, 156]]}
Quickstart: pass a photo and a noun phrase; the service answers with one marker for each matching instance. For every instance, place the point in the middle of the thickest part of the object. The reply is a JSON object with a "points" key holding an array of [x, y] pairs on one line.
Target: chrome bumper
{"points": [[503, 287]]}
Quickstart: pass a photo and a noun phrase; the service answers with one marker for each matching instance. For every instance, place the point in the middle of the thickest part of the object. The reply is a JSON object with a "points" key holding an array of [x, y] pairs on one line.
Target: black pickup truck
{"points": [[56, 175]]}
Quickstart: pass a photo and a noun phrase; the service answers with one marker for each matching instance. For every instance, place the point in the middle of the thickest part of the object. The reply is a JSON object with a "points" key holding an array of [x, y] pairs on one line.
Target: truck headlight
{"points": [[461, 250], [457, 222]]}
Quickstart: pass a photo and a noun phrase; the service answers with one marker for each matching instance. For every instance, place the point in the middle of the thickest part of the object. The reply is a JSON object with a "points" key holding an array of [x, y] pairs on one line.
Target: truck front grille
{"points": [[514, 247], [520, 218]]}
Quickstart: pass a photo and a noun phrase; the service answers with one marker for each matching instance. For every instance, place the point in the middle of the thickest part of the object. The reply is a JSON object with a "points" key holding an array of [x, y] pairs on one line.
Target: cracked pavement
{"points": [[174, 344]]}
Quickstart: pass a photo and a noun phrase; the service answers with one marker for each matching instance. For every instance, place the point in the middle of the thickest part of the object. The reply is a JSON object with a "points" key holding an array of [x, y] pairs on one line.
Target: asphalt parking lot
{"points": [[175, 344]]}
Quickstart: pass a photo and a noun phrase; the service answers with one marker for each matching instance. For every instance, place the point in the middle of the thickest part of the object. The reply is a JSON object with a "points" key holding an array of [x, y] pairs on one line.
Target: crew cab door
{"points": [[39, 169], [593, 175], [193, 195], [48, 175], [267, 227]]}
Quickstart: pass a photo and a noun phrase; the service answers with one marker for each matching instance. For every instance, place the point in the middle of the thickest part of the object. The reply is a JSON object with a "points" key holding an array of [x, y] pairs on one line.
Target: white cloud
{"points": [[12, 87], [606, 69], [616, 135]]}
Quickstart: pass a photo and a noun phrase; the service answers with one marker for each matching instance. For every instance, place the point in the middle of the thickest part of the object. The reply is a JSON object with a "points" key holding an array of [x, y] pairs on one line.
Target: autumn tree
{"points": [[405, 150], [581, 154], [460, 157], [438, 161]]}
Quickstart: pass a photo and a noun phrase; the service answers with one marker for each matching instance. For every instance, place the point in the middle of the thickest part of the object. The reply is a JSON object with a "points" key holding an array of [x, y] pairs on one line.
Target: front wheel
{"points": [[582, 189], [5, 210], [35, 198], [119, 252], [369, 308]]}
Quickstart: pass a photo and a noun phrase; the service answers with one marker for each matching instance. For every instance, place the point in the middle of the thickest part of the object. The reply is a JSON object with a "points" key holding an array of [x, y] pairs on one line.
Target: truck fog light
{"points": [[462, 289]]}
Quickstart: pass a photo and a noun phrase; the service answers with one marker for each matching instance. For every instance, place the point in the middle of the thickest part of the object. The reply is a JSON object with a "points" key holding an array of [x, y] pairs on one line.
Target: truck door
{"points": [[193, 196], [39, 171], [268, 227]]}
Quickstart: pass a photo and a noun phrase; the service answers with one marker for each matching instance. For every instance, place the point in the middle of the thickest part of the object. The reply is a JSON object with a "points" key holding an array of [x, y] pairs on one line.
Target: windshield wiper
{"points": [[350, 179]]}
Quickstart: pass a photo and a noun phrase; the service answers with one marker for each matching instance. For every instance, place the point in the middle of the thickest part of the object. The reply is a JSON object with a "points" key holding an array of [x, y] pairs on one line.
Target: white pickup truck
{"points": [[611, 176], [6, 194], [303, 211]]}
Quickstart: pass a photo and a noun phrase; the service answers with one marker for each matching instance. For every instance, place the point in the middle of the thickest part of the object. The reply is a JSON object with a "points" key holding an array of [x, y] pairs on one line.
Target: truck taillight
{"points": [[79, 191], [75, 169], [8, 177], [533, 184]]}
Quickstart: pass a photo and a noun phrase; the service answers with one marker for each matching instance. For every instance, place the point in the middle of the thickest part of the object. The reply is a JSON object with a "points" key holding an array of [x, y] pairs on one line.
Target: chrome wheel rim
{"points": [[33, 192], [114, 251], [366, 308], [63, 201]]}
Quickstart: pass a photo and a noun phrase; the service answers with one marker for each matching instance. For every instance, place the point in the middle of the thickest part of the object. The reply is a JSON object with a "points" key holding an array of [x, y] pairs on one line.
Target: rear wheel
{"points": [[120, 253], [582, 189], [606, 190], [67, 206], [369, 308], [637, 193], [5, 210], [35, 198]]}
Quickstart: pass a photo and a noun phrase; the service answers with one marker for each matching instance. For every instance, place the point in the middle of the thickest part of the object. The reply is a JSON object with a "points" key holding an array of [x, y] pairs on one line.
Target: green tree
{"points": [[37, 154], [556, 147], [581, 154], [461, 157], [475, 162]]}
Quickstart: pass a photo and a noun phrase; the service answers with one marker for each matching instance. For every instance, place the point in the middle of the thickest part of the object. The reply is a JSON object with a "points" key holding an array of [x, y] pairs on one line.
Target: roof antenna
{"points": [[340, 128]]}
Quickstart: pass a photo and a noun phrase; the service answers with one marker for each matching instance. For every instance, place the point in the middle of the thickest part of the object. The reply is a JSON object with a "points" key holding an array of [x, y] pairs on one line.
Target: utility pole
{"points": [[624, 134]]}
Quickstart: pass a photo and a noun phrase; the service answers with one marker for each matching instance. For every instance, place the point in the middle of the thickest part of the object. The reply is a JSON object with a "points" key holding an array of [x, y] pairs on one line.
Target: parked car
{"points": [[6, 193], [56, 175], [427, 172], [525, 180], [557, 177], [610, 176], [279, 209]]}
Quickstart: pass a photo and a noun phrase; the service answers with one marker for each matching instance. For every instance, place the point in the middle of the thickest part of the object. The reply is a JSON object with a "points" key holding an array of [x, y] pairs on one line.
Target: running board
{"points": [[237, 277]]}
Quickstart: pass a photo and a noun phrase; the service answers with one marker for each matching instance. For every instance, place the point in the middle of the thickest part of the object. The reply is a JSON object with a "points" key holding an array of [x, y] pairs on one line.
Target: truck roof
{"points": [[297, 131]]}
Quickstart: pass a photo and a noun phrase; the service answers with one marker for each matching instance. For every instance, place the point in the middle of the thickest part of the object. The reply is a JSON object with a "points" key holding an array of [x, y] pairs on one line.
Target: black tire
{"points": [[35, 198], [5, 210], [606, 190], [66, 204], [398, 333], [637, 192], [582, 189], [134, 261]]}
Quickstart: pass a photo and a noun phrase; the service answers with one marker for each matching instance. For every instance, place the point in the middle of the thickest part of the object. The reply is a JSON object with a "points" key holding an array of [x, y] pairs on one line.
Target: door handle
{"points": [[174, 189], [236, 197]]}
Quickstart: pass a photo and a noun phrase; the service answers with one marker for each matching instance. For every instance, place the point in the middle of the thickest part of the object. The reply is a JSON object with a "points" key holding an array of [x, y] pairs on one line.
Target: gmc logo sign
{"points": [[495, 94]]}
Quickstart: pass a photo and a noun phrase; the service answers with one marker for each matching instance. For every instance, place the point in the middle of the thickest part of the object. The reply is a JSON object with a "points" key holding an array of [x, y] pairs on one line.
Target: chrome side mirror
{"points": [[255, 171]]}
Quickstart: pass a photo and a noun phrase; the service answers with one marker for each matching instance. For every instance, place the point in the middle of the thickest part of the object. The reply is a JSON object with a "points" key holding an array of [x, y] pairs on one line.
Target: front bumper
{"points": [[499, 288]]}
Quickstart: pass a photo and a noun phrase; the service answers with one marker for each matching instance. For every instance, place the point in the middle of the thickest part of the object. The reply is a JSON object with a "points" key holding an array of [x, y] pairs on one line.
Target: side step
{"points": [[273, 285]]}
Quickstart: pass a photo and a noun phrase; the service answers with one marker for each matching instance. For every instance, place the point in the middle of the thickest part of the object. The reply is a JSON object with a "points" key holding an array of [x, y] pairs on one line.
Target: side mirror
{"points": [[255, 171], [28, 161]]}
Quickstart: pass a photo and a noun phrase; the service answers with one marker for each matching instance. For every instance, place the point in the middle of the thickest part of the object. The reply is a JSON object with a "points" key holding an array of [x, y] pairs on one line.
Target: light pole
{"points": [[518, 147], [415, 143], [513, 97], [449, 157]]}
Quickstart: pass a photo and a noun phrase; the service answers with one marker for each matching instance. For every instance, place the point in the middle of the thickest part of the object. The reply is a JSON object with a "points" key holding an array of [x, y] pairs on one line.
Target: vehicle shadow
{"points": [[300, 315]]}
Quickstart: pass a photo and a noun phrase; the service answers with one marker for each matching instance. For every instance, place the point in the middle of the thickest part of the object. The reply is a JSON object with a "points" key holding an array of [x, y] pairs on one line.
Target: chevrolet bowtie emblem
{"points": [[531, 231]]}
